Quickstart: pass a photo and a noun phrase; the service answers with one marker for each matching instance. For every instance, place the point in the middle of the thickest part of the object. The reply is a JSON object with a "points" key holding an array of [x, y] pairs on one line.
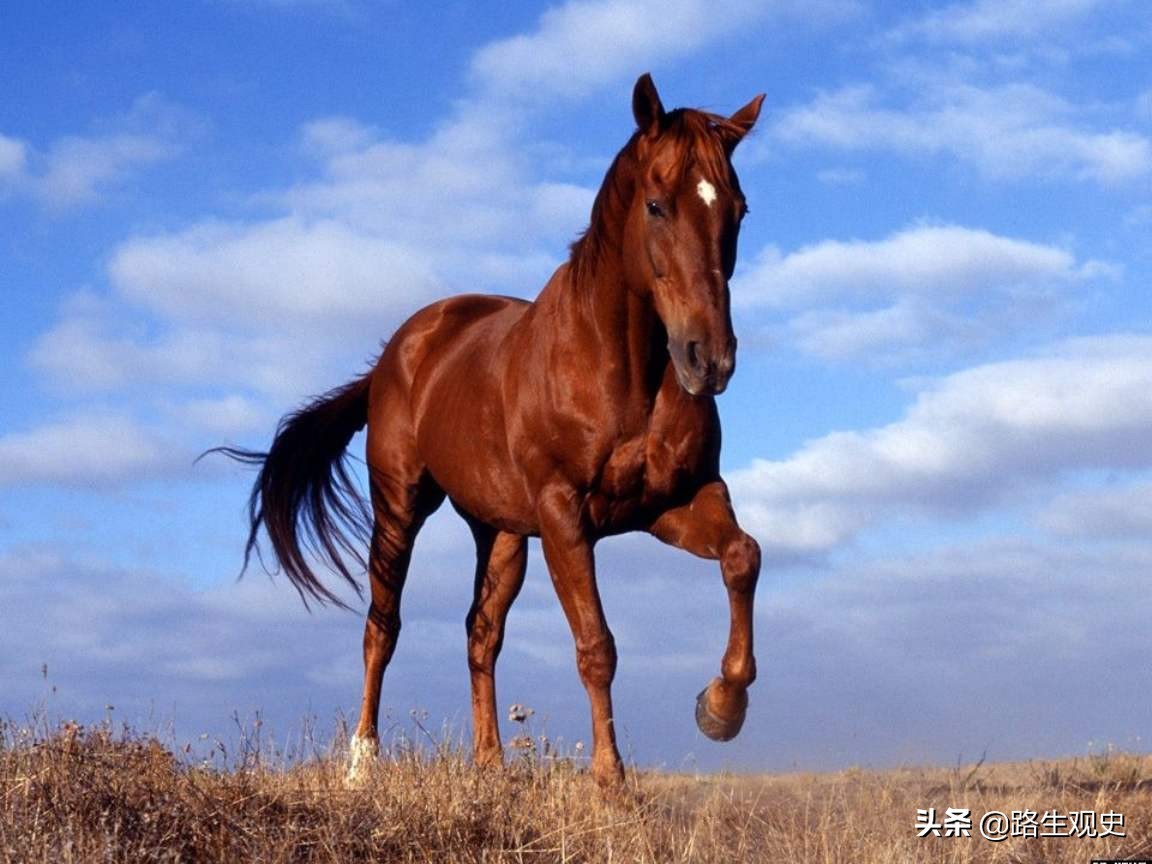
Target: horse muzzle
{"points": [[700, 369]]}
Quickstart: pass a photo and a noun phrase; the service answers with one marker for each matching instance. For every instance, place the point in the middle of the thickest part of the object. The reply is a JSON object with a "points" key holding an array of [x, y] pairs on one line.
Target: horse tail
{"points": [[305, 496]]}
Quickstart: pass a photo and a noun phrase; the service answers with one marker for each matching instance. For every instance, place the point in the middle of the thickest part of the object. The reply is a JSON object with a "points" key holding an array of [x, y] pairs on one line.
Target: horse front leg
{"points": [[568, 553], [707, 527], [501, 560]]}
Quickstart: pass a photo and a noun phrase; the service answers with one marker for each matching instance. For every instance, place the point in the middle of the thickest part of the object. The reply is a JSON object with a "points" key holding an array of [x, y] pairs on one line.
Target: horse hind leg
{"points": [[501, 560], [399, 511]]}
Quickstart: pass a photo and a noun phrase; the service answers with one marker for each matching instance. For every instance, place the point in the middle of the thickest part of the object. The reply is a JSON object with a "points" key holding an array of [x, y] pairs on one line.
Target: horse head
{"points": [[685, 216]]}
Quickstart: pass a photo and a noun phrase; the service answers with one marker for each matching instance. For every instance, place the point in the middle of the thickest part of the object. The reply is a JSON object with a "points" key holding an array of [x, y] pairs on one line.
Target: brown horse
{"points": [[586, 413]]}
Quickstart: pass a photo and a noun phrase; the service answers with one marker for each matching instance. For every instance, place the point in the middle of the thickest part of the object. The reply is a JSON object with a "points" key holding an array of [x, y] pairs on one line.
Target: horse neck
{"points": [[626, 329], [610, 326]]}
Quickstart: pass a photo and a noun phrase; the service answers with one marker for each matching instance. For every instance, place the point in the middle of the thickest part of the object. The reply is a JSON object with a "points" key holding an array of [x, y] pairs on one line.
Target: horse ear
{"points": [[646, 106], [746, 117]]}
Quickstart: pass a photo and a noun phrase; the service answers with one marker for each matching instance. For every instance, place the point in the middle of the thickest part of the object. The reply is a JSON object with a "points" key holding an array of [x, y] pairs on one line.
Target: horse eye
{"points": [[654, 208]]}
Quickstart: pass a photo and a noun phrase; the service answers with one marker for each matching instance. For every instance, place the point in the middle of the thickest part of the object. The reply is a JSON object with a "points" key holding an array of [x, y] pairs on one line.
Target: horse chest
{"points": [[650, 470]]}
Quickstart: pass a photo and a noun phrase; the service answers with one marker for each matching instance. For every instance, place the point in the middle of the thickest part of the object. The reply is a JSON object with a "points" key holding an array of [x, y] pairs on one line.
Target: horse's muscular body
{"points": [[588, 412], [629, 465]]}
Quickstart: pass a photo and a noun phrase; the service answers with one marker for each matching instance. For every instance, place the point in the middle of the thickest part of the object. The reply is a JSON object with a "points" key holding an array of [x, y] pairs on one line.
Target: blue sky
{"points": [[938, 429]]}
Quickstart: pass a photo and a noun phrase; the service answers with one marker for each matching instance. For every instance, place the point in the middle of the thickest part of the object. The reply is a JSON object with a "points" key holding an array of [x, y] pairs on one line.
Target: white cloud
{"points": [[252, 276], [911, 642], [230, 415], [926, 287], [583, 44], [329, 136], [1008, 132], [841, 176], [969, 440], [898, 332], [929, 260], [144, 642], [77, 170], [13, 157], [85, 451], [983, 20], [79, 353], [385, 228], [1109, 512], [87, 353], [463, 192]]}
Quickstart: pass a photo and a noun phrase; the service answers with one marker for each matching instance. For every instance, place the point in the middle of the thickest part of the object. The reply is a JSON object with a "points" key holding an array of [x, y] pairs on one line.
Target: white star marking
{"points": [[706, 191]]}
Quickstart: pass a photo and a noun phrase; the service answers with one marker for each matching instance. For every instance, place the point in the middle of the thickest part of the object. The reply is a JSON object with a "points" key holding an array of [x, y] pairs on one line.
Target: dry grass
{"points": [[71, 794]]}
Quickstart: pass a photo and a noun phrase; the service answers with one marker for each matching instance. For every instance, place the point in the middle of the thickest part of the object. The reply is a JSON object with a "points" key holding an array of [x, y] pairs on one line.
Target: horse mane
{"points": [[700, 138]]}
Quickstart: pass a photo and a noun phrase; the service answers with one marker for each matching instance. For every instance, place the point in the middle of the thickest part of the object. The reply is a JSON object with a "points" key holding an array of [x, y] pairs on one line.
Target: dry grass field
{"points": [[70, 794]]}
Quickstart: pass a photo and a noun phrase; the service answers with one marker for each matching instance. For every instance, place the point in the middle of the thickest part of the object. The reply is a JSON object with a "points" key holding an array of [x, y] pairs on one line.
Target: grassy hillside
{"points": [[84, 795]]}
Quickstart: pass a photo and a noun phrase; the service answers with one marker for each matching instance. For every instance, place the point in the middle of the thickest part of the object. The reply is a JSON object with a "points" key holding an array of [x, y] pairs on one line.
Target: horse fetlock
{"points": [[738, 672], [608, 771], [720, 710], [488, 756]]}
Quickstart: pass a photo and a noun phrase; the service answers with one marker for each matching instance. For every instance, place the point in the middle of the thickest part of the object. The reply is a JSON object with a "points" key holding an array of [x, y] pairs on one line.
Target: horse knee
{"points": [[596, 660], [741, 564]]}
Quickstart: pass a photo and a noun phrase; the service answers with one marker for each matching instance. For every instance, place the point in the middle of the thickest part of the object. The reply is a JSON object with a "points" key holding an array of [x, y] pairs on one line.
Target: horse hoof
{"points": [[715, 727], [362, 753]]}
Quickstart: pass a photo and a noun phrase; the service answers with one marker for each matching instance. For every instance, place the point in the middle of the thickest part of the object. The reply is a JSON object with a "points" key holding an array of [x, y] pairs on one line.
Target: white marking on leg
{"points": [[706, 191], [362, 753]]}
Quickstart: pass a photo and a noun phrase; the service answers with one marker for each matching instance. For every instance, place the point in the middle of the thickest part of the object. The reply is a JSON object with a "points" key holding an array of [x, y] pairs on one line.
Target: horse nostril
{"points": [[692, 354]]}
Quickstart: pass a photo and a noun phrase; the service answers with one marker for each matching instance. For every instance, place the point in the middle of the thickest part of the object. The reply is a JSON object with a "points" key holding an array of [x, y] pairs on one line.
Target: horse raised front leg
{"points": [[707, 527], [501, 559], [568, 553]]}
